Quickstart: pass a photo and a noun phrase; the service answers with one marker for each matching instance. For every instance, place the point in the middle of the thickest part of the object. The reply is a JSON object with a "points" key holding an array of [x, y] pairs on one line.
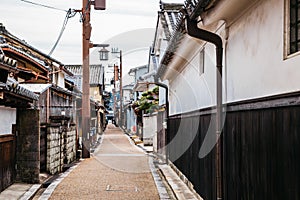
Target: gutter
{"points": [[194, 31]]}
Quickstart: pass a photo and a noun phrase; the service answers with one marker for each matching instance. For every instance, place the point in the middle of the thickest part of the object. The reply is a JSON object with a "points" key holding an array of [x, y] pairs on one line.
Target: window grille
{"points": [[294, 26]]}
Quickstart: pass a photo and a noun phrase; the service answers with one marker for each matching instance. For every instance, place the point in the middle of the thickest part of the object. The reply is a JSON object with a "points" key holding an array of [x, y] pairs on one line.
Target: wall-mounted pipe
{"points": [[194, 31], [167, 138]]}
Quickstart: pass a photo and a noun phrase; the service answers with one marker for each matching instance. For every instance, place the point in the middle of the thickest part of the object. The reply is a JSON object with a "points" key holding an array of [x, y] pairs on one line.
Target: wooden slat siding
{"points": [[60, 102], [200, 172], [6, 161], [6, 138], [262, 154], [160, 133], [43, 149]]}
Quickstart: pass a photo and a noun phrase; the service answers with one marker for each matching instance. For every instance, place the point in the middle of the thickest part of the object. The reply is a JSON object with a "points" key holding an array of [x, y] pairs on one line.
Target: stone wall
{"points": [[54, 151], [61, 147], [69, 144]]}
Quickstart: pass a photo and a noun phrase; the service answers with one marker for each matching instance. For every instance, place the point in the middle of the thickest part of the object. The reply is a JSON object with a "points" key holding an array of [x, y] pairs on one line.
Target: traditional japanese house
{"points": [[167, 18], [45, 76], [233, 73], [19, 126]]}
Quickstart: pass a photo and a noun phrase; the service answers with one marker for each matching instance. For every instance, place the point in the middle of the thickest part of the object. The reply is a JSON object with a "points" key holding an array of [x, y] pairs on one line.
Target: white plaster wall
{"points": [[149, 128], [61, 80], [255, 55], [253, 65], [191, 90], [7, 118]]}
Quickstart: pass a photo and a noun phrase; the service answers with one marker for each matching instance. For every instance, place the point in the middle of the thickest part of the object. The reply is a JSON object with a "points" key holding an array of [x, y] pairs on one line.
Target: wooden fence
{"points": [[261, 153], [7, 164]]}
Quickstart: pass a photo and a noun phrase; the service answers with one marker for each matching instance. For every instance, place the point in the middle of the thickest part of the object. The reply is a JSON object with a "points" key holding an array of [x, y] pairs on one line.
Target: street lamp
{"points": [[103, 53]]}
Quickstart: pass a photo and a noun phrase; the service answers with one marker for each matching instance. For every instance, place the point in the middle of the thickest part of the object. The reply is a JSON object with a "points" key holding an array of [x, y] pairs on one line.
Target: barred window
{"points": [[294, 26]]}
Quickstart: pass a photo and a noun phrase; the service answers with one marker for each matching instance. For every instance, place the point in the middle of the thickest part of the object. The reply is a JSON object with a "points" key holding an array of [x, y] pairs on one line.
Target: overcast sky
{"points": [[124, 21]]}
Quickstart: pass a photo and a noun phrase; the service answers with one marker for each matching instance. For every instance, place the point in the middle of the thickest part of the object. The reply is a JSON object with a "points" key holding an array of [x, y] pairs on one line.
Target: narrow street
{"points": [[172, 99], [118, 170]]}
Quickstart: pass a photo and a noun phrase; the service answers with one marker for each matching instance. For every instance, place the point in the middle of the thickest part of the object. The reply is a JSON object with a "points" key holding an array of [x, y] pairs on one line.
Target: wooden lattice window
{"points": [[294, 26]]}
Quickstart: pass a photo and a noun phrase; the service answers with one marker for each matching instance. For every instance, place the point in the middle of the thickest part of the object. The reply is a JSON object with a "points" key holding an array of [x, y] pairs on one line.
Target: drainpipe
{"points": [[167, 118], [167, 115], [194, 31]]}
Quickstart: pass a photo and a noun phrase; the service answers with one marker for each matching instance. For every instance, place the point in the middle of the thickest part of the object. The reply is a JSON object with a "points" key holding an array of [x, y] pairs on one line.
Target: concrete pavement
{"points": [[20, 191]]}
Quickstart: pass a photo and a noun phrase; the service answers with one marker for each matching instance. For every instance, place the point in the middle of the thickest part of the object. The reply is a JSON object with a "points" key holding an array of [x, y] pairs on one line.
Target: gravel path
{"points": [[118, 170]]}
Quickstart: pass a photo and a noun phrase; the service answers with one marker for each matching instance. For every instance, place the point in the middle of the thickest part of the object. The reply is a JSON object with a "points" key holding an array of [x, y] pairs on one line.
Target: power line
{"points": [[70, 13], [84, 11], [38, 4]]}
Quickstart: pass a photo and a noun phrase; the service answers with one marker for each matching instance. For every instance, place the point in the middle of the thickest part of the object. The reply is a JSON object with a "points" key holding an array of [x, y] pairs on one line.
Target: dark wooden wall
{"points": [[43, 149], [201, 172], [7, 161], [161, 137], [261, 153]]}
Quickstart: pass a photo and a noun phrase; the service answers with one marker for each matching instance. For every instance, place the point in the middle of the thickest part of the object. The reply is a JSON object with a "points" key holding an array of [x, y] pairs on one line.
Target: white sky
{"points": [[124, 22]]}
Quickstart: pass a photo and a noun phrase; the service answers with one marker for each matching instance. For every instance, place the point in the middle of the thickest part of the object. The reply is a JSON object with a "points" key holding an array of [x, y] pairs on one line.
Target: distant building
{"points": [[96, 94]]}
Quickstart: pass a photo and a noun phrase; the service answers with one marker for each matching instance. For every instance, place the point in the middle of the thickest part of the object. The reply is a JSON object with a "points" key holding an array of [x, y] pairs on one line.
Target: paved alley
{"points": [[117, 170]]}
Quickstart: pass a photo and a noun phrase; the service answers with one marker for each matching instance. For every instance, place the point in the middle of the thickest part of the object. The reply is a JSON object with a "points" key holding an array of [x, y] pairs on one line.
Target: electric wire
{"points": [[84, 11], [38, 4], [71, 13]]}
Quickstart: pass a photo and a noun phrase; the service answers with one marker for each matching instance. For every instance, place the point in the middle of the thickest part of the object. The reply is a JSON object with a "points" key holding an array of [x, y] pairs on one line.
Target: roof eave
{"points": [[194, 9]]}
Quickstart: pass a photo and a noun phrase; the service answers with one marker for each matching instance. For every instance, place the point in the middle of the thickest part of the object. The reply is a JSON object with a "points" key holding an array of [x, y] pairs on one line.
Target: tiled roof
{"points": [[128, 87], [18, 89], [193, 8], [42, 63], [7, 63], [169, 16], [37, 88], [41, 88], [137, 68], [96, 73], [6, 33]]}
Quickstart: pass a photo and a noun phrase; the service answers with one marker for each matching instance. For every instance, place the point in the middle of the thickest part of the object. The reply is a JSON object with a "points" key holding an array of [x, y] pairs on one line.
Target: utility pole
{"points": [[86, 34], [121, 91], [116, 78], [86, 45]]}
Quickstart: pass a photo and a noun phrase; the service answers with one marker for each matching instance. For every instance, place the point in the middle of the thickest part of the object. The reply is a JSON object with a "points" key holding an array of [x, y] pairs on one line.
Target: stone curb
{"points": [[50, 189], [163, 194], [172, 168], [31, 192], [185, 180]]}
